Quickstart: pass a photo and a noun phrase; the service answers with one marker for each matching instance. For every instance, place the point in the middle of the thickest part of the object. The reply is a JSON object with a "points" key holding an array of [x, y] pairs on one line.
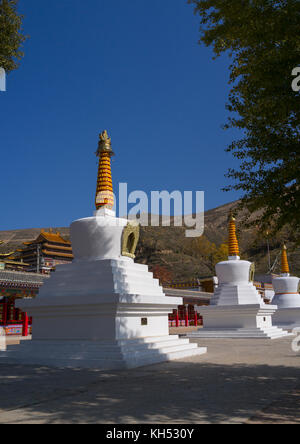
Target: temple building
{"points": [[8, 261], [16, 285], [46, 252]]}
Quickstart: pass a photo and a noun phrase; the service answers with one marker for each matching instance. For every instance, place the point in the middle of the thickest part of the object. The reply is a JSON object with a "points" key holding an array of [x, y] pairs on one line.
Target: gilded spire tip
{"points": [[104, 144]]}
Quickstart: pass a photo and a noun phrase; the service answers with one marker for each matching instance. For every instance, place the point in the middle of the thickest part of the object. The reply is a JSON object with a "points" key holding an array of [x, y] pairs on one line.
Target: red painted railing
{"points": [[14, 321], [185, 317]]}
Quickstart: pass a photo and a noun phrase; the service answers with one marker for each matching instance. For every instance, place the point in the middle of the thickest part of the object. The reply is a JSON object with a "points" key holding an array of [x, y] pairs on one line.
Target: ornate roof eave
{"points": [[48, 237], [7, 254]]}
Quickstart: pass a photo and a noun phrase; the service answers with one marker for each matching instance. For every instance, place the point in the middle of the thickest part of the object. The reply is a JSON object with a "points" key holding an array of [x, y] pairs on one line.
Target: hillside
{"points": [[168, 247]]}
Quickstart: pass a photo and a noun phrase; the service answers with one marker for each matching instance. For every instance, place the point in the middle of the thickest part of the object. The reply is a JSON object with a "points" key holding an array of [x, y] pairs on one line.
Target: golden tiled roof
{"points": [[56, 253], [58, 247], [6, 255], [12, 262], [49, 236]]}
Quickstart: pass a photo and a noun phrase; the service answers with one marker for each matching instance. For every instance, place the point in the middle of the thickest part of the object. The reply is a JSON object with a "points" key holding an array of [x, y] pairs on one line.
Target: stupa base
{"points": [[242, 321], [242, 333], [106, 314], [287, 318], [102, 355]]}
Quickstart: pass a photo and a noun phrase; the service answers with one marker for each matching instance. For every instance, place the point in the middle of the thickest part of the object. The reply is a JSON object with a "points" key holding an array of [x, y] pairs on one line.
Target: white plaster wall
{"points": [[229, 320], [130, 327], [264, 321], [286, 292], [233, 272], [287, 318], [98, 237]]}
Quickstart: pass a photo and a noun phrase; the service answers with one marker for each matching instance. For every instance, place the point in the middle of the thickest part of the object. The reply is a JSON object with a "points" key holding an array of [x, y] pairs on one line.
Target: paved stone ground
{"points": [[238, 381]]}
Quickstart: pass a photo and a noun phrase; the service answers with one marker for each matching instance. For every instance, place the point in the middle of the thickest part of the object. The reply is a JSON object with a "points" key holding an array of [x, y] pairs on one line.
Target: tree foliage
{"points": [[263, 40], [163, 274], [209, 253], [11, 37]]}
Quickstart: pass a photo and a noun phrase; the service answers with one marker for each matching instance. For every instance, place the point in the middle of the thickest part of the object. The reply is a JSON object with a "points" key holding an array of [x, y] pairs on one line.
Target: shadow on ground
{"points": [[175, 392]]}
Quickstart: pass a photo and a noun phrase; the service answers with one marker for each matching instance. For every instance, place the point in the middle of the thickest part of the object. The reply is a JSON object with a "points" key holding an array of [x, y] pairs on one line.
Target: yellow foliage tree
{"points": [[209, 253]]}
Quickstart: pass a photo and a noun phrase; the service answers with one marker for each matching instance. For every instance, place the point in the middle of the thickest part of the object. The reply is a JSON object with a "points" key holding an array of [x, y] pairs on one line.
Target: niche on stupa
{"points": [[252, 273], [130, 238]]}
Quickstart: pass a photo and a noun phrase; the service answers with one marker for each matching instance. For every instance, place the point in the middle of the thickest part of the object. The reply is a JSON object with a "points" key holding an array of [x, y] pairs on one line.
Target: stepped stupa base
{"points": [[287, 318], [239, 321], [242, 333], [102, 355], [104, 314]]}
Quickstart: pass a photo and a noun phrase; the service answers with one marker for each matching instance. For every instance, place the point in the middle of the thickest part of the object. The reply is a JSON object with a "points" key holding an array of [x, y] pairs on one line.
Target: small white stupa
{"points": [[237, 309], [103, 310], [286, 297]]}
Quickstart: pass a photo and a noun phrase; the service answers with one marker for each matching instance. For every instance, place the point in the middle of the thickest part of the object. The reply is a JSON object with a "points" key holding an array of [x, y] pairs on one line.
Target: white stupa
{"points": [[286, 297], [237, 309], [103, 310]]}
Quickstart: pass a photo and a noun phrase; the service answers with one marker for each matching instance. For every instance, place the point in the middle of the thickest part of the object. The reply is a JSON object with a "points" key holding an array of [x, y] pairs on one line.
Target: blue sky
{"points": [[132, 67]]}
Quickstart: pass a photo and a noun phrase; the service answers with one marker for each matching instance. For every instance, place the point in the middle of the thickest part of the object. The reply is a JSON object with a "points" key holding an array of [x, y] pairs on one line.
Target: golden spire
{"points": [[285, 269], [104, 194], [233, 244]]}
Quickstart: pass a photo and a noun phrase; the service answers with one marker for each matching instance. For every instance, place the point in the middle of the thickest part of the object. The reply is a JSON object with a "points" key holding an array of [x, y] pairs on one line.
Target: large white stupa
{"points": [[286, 297], [103, 310], [237, 309]]}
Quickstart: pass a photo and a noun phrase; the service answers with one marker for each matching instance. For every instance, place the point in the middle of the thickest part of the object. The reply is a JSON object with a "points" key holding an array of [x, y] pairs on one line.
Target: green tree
{"points": [[262, 38], [11, 38]]}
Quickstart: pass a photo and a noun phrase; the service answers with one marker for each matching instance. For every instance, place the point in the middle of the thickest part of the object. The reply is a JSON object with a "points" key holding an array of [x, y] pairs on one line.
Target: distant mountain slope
{"points": [[169, 248]]}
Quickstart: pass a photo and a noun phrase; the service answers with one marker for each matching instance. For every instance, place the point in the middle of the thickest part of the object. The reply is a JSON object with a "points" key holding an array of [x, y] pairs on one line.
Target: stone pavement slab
{"points": [[238, 381]]}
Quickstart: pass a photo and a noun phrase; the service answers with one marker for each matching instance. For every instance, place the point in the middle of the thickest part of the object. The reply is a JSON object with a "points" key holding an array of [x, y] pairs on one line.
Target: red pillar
{"points": [[5, 306], [177, 318], [25, 325], [187, 316], [196, 318]]}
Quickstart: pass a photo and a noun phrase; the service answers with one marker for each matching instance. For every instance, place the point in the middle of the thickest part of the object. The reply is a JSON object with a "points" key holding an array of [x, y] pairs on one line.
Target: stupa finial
{"points": [[233, 244], [285, 269], [104, 194], [104, 144]]}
